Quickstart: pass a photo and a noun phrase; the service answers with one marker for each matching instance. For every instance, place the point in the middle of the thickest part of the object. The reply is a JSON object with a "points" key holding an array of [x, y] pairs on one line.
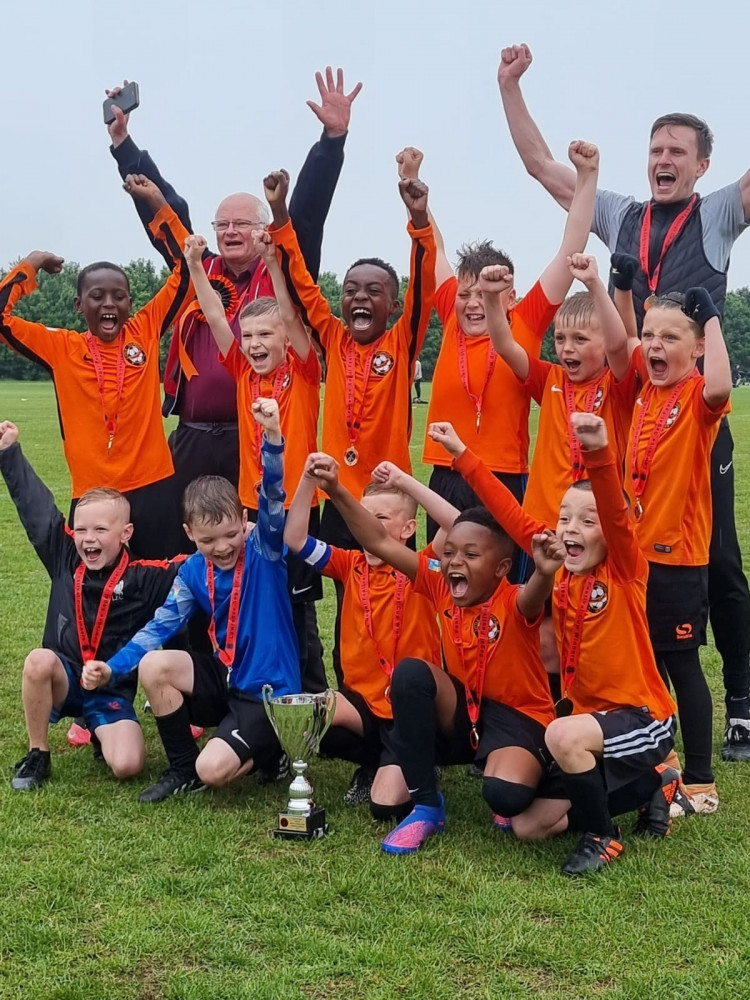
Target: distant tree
{"points": [[736, 326]]}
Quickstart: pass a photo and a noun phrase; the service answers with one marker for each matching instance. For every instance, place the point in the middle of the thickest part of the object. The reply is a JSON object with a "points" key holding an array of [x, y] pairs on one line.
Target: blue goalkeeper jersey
{"points": [[266, 643]]}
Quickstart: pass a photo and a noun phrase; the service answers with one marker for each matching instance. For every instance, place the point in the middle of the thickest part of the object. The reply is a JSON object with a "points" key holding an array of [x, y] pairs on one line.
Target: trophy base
{"points": [[295, 827]]}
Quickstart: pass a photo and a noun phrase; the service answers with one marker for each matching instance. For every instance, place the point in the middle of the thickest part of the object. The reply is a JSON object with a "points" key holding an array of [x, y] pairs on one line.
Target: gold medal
{"points": [[649, 302], [637, 509], [350, 455]]}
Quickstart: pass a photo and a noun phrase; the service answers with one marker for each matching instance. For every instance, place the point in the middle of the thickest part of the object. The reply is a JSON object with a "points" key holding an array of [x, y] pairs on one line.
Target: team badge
{"points": [[382, 363], [285, 381], [493, 628], [117, 593], [599, 598], [134, 355], [673, 415], [598, 399]]}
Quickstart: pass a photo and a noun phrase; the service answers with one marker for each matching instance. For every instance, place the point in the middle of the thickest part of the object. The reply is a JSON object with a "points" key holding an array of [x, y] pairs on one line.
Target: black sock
{"points": [[588, 797], [737, 708], [413, 692], [179, 745], [695, 711], [343, 744]]}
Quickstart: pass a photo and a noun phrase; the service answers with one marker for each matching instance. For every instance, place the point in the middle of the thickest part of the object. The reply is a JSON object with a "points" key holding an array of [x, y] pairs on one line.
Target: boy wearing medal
{"points": [[492, 702], [276, 360], [381, 616], [107, 379], [616, 721], [667, 477], [240, 584], [99, 596]]}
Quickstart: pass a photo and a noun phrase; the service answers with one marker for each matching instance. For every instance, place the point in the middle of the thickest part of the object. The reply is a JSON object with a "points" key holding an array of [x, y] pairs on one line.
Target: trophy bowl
{"points": [[300, 722]]}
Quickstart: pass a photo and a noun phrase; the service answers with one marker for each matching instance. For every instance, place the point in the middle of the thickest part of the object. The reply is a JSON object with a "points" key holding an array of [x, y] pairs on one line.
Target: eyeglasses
{"points": [[241, 224]]}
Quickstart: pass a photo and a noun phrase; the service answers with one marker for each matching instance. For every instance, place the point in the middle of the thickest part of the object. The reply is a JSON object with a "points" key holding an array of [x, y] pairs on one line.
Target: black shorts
{"points": [[677, 606], [376, 731], [248, 731], [501, 726], [208, 702], [303, 582]]}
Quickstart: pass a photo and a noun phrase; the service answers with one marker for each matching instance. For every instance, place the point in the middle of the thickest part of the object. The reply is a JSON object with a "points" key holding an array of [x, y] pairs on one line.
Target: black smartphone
{"points": [[126, 100]]}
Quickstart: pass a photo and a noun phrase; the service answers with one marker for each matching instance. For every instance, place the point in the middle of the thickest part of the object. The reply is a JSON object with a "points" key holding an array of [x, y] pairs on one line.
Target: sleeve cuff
{"points": [[281, 234], [417, 234], [273, 449], [333, 143], [165, 214], [126, 152], [598, 457]]}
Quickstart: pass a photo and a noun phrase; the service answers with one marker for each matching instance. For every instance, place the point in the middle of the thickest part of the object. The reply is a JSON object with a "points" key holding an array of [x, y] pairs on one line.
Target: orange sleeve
{"points": [[339, 565], [445, 298], [420, 292], [702, 410], [309, 370], [305, 294], [537, 378], [158, 315], [498, 500], [34, 341], [536, 312], [235, 361], [429, 579], [623, 551]]}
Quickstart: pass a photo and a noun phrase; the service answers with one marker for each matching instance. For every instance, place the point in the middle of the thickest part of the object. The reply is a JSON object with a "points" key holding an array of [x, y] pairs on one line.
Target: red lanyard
{"points": [[226, 655], [473, 698], [278, 384], [354, 423], [570, 652], [588, 407], [463, 369], [90, 645], [398, 620], [672, 233], [640, 474], [110, 421]]}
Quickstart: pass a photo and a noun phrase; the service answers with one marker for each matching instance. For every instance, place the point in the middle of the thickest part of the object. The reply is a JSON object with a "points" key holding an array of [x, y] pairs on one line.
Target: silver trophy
{"points": [[300, 721]]}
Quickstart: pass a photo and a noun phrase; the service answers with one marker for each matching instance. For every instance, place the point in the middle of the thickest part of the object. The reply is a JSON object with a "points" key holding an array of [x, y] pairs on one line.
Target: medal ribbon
{"points": [[90, 644], [570, 652], [672, 233], [110, 421], [354, 423], [226, 655], [640, 474], [463, 369], [473, 698], [588, 407], [281, 373], [398, 620]]}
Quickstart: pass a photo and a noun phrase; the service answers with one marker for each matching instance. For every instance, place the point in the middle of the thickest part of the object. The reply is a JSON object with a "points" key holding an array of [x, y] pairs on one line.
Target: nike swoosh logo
{"points": [[556, 388], [236, 734], [723, 469], [300, 590]]}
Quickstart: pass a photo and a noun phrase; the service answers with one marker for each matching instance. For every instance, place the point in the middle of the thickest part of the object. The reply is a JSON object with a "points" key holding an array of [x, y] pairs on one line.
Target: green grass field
{"points": [[103, 897]]}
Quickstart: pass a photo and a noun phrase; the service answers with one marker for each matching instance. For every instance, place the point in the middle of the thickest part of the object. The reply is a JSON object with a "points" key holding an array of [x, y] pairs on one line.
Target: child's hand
{"points": [[95, 674], [514, 61], [495, 279], [584, 156], [335, 108], [266, 413], [325, 469], [414, 195], [699, 306], [45, 260], [388, 474], [583, 266], [194, 248], [264, 244], [548, 552], [624, 268], [409, 161], [139, 186], [118, 129], [8, 434], [590, 430], [445, 435], [276, 187]]}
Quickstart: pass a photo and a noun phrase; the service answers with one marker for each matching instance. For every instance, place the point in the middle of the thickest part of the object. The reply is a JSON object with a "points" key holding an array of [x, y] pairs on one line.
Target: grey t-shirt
{"points": [[722, 218]]}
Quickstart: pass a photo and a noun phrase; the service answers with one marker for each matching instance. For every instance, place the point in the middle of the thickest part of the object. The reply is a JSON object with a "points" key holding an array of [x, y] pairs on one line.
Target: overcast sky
{"points": [[223, 88]]}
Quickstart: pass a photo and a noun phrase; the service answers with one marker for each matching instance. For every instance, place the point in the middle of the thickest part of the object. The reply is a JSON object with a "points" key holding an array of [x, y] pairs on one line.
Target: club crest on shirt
{"points": [[673, 415], [382, 363], [286, 380], [599, 598], [598, 399], [117, 593], [493, 628], [134, 355]]}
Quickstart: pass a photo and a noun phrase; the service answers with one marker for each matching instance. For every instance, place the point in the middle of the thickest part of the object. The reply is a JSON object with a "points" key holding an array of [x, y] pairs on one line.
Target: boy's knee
{"points": [[213, 771], [412, 676], [507, 798], [528, 829], [561, 738], [39, 665], [153, 669], [125, 763]]}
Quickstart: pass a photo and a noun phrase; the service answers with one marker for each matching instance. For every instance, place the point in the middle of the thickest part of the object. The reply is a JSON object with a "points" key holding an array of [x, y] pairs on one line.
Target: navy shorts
{"points": [[98, 708]]}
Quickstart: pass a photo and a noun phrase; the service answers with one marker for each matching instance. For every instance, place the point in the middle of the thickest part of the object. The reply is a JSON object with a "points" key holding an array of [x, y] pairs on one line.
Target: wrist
{"points": [[334, 132], [118, 140], [280, 215], [420, 220]]}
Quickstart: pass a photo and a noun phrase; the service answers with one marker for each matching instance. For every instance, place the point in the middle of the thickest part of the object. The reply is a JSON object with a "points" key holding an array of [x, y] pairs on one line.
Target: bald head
{"points": [[233, 234]]}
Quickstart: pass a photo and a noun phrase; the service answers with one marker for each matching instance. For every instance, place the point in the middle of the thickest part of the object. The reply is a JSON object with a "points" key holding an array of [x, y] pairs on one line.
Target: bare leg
{"points": [[44, 687], [123, 747]]}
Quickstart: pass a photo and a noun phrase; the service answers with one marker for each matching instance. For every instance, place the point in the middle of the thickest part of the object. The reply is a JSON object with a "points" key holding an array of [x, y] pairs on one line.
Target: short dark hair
{"points": [[482, 517], [98, 265], [211, 499], [577, 308], [472, 257], [265, 305], [383, 265], [703, 134], [676, 300]]}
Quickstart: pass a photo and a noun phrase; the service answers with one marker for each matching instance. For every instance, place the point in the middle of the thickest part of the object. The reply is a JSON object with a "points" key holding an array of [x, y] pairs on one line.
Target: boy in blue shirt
{"points": [[239, 582]]}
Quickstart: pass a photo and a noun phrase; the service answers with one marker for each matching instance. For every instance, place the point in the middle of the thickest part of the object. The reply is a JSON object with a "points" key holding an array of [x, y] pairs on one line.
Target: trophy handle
{"points": [[330, 710]]}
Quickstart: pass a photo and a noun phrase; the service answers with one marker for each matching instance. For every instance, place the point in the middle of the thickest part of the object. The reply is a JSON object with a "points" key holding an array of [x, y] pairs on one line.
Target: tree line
{"points": [[52, 305]]}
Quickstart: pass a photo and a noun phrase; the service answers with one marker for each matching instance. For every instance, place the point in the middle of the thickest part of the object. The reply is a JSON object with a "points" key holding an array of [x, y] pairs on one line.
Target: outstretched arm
{"points": [[616, 344], [717, 370], [622, 272], [549, 555], [298, 515], [493, 281], [557, 178], [210, 303], [409, 161]]}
